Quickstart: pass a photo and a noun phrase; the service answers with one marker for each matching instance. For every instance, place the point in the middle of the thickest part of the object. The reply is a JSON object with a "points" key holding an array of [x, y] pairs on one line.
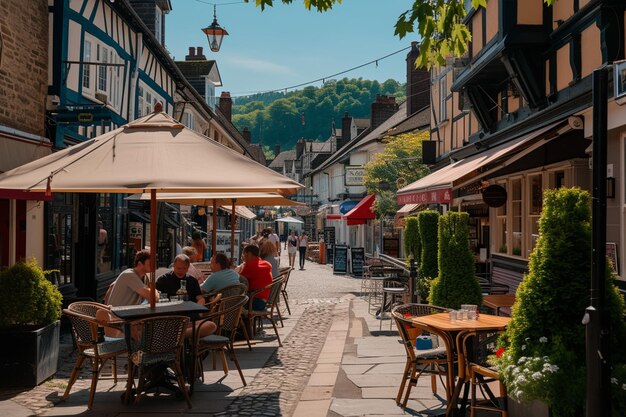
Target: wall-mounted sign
{"points": [[355, 175], [426, 197], [619, 77], [494, 195]]}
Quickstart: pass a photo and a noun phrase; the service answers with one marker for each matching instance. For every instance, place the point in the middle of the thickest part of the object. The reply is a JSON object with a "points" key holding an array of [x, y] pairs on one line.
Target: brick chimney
{"points": [[226, 105], [417, 83], [276, 149], [192, 54], [382, 109], [346, 130], [195, 54], [247, 136]]}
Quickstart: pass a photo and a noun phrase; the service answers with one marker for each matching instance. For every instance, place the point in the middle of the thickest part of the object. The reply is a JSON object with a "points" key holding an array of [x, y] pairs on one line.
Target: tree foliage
{"points": [[456, 283], [438, 22], [398, 164], [283, 118], [552, 299]]}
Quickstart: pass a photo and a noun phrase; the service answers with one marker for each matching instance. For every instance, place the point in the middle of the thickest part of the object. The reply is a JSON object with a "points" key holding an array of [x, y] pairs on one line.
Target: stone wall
{"points": [[23, 64]]}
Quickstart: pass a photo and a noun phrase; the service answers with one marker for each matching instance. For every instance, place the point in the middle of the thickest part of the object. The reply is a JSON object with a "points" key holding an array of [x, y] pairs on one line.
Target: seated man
{"points": [[191, 252], [169, 283], [221, 274], [127, 289], [258, 273]]}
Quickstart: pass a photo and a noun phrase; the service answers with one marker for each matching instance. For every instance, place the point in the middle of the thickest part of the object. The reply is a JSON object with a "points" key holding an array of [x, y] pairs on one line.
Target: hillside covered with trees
{"points": [[284, 118]]}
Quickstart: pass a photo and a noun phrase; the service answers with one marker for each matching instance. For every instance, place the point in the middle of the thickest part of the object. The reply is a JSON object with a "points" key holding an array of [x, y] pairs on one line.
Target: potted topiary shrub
{"points": [[428, 222], [542, 354], [456, 283], [30, 308]]}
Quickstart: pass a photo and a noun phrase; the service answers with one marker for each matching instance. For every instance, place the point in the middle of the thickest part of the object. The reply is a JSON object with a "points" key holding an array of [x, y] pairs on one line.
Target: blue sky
{"points": [[288, 45]]}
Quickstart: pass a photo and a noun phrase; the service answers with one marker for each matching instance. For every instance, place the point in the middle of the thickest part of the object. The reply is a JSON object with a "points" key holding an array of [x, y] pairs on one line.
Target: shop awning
{"points": [[241, 211], [24, 195], [438, 186], [361, 212], [407, 209]]}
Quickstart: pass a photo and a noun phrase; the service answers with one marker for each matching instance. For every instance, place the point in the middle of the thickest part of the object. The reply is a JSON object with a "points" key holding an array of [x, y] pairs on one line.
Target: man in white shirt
{"points": [[273, 237]]}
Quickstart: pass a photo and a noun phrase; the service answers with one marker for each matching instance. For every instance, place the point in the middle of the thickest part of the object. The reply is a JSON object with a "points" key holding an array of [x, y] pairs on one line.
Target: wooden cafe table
{"points": [[451, 331], [183, 308], [498, 301]]}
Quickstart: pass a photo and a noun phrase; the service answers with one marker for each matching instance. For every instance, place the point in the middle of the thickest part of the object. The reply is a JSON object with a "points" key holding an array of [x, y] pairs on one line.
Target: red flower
{"points": [[499, 352]]}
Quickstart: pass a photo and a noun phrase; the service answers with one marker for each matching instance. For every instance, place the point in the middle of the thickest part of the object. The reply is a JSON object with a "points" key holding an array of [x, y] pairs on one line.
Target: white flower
{"points": [[537, 376], [624, 387], [614, 381], [543, 339], [522, 359], [523, 347]]}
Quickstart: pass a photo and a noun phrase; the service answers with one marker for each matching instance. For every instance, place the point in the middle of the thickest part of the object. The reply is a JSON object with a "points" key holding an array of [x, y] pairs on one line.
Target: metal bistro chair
{"points": [[160, 346], [91, 345], [222, 341], [286, 272], [270, 306], [433, 362], [393, 289]]}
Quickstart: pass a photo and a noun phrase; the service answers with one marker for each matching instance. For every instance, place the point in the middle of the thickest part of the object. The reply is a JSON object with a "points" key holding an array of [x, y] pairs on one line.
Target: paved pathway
{"points": [[334, 362]]}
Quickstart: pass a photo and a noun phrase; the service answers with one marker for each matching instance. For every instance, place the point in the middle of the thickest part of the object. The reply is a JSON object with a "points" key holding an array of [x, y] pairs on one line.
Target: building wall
{"points": [[23, 64]]}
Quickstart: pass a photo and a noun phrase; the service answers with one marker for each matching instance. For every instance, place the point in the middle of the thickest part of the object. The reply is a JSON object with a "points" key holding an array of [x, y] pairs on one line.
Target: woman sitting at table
{"points": [[221, 274], [267, 252]]}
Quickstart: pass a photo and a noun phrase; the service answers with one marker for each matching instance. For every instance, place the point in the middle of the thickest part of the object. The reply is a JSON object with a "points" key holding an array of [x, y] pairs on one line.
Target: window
{"points": [[102, 56], [443, 92], [146, 100], [536, 203], [87, 67], [501, 240], [188, 120], [59, 252], [516, 224]]}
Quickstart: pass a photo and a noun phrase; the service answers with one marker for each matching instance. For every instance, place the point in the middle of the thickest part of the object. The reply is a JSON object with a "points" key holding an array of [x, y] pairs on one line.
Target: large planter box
{"points": [[30, 356], [533, 408]]}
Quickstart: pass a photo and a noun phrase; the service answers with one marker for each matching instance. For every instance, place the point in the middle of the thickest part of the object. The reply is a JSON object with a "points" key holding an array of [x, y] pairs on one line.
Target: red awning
{"points": [[361, 212], [334, 217]]}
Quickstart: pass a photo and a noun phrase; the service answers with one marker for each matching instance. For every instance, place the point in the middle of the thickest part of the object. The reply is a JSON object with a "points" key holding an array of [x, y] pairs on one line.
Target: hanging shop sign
{"points": [[494, 195]]}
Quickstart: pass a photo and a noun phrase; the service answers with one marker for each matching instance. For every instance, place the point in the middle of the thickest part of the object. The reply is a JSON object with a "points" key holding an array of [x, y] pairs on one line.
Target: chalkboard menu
{"points": [[329, 235], [357, 261], [340, 261]]}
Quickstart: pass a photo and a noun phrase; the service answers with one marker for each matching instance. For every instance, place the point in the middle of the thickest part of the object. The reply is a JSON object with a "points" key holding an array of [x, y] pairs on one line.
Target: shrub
{"points": [[456, 283], [27, 298], [551, 301], [412, 244], [428, 221]]}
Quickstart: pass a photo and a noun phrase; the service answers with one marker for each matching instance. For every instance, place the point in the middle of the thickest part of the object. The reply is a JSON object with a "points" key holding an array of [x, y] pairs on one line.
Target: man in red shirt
{"points": [[258, 273]]}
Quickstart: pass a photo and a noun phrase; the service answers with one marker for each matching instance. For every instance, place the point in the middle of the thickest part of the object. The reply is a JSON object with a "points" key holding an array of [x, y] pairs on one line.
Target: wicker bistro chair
{"points": [[477, 347], [229, 291], [227, 319], [160, 346], [90, 344], [286, 272], [251, 315], [433, 362]]}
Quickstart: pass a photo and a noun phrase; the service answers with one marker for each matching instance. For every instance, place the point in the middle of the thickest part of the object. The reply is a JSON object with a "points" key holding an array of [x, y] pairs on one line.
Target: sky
{"points": [[286, 45]]}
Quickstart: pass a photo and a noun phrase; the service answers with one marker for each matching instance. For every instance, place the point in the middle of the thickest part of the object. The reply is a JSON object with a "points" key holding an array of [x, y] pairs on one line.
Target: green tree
{"points": [[456, 283], [401, 159], [438, 22], [546, 318]]}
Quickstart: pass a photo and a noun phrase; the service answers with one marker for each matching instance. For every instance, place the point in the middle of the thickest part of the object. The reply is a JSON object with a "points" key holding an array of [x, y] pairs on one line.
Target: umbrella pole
{"points": [[214, 233], [232, 231], [153, 247]]}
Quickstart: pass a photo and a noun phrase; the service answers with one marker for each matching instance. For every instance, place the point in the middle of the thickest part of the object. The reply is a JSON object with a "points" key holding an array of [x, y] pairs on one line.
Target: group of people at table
{"points": [[131, 287]]}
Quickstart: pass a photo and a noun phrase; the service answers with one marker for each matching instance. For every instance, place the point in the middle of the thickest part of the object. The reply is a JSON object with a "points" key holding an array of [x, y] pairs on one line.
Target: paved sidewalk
{"points": [[334, 362]]}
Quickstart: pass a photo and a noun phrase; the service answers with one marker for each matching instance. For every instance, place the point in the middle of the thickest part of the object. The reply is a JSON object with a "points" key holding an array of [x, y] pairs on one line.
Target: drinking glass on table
{"points": [[453, 314], [461, 315]]}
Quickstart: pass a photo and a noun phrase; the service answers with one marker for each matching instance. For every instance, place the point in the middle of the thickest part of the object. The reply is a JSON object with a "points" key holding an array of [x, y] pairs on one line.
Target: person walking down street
{"points": [[292, 248], [303, 243]]}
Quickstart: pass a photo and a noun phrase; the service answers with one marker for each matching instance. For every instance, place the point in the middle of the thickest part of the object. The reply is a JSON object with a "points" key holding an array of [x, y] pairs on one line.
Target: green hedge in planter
{"points": [[544, 344], [456, 283], [27, 298], [412, 243], [428, 221]]}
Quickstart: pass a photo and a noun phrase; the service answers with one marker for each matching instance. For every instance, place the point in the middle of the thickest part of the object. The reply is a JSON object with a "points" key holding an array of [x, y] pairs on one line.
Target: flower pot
{"points": [[533, 408], [28, 356]]}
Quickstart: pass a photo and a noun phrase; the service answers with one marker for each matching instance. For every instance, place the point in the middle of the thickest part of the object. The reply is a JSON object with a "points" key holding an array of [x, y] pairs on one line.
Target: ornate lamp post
{"points": [[215, 33]]}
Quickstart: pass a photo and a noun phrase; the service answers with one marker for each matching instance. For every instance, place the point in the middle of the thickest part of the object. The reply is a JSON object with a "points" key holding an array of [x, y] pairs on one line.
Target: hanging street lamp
{"points": [[215, 33]]}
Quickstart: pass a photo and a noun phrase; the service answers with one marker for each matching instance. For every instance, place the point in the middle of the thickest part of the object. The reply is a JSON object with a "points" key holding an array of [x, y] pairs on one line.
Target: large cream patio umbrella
{"points": [[150, 154], [224, 200]]}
